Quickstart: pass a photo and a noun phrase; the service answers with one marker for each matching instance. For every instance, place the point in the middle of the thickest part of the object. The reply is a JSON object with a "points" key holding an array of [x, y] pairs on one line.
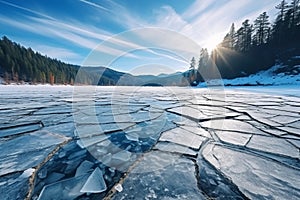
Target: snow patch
{"points": [[276, 75]]}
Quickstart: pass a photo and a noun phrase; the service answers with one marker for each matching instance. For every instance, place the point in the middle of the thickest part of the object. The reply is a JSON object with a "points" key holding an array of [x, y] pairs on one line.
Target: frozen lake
{"points": [[63, 142]]}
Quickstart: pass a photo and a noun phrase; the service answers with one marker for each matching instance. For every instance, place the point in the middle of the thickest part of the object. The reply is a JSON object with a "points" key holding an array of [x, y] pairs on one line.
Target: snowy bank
{"points": [[276, 75]]}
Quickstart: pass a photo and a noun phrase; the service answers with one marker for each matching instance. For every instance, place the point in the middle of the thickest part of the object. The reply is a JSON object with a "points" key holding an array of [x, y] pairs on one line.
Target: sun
{"points": [[212, 42]]}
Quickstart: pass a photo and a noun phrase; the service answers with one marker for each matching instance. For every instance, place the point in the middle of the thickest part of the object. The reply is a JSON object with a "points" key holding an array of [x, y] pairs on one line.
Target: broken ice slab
{"points": [[273, 145], [16, 185], [123, 156], [288, 108], [88, 130], [255, 176], [174, 148], [290, 130], [89, 141], [53, 177], [295, 124], [233, 137], [197, 130], [95, 183], [182, 121], [273, 111], [139, 116], [161, 175], [189, 112], [214, 184], [296, 143], [162, 105], [77, 154], [182, 137], [65, 129], [133, 136], [30, 142], [217, 111], [261, 116], [232, 125], [67, 189], [14, 153], [57, 109], [84, 167], [284, 119], [19, 128], [123, 109]]}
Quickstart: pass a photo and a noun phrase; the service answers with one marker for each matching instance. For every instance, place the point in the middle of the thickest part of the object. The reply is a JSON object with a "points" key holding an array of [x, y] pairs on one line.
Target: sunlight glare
{"points": [[212, 42]]}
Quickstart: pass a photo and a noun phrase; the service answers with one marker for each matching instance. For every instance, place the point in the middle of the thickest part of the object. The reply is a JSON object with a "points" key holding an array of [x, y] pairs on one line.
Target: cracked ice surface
{"points": [[148, 143], [257, 177], [161, 176]]}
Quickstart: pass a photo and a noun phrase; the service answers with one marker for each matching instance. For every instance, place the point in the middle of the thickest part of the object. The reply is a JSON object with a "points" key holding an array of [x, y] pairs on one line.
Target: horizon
{"points": [[70, 35]]}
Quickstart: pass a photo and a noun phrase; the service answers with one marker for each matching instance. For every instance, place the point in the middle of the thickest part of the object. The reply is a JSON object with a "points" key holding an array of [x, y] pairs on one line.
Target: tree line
{"points": [[19, 64], [255, 46]]}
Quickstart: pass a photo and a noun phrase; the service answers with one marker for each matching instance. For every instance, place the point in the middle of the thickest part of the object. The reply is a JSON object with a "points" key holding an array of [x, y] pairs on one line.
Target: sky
{"points": [[136, 36]]}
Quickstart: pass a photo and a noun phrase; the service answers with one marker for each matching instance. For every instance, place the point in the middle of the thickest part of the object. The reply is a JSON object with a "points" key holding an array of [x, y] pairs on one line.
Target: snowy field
{"points": [[278, 75], [64, 142]]}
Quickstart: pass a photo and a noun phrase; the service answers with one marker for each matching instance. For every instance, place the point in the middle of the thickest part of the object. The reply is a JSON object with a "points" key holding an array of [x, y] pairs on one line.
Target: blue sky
{"points": [[70, 30]]}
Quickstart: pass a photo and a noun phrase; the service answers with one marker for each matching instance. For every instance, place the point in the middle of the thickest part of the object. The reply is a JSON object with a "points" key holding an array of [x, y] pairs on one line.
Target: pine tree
{"points": [[193, 64], [295, 9], [192, 71], [239, 39], [247, 35], [278, 27], [261, 26], [282, 7], [232, 36], [230, 39], [203, 59]]}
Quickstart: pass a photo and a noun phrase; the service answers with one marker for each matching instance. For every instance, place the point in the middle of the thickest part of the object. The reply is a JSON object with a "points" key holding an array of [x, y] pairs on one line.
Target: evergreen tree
{"points": [[239, 39], [203, 58], [261, 26], [282, 7], [247, 35], [230, 38], [193, 64], [278, 27], [192, 71], [294, 7]]}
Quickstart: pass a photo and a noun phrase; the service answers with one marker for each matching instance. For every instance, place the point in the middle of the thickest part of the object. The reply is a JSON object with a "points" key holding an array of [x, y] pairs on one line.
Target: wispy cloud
{"points": [[49, 29], [168, 18], [26, 9], [197, 8], [124, 17], [94, 5]]}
